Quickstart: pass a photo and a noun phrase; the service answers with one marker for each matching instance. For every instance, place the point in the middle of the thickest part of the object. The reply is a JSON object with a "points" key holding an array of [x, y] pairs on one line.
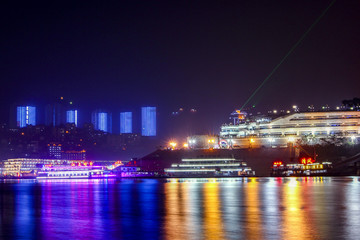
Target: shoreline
{"points": [[181, 177]]}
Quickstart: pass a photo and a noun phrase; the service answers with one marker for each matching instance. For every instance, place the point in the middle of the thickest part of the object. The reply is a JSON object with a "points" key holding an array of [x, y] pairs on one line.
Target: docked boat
{"points": [[73, 171], [209, 167], [280, 169]]}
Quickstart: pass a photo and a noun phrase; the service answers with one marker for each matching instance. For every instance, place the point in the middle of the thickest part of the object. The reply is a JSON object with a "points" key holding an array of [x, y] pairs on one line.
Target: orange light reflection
{"points": [[175, 221], [253, 228], [295, 216], [213, 224]]}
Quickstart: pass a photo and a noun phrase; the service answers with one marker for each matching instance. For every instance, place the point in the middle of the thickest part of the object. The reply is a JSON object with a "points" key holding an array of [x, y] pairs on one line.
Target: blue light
{"points": [[72, 117], [126, 122], [102, 121], [25, 115], [148, 121]]}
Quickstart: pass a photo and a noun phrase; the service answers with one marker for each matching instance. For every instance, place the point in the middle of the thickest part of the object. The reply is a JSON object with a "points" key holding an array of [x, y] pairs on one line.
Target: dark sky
{"points": [[210, 55]]}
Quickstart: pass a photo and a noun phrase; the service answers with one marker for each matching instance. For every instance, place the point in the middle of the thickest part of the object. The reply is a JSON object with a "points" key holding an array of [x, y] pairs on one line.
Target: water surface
{"points": [[248, 208]]}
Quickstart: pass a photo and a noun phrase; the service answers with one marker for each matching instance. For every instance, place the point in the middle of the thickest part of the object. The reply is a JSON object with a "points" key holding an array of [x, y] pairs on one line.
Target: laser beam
{"points": [[288, 53]]}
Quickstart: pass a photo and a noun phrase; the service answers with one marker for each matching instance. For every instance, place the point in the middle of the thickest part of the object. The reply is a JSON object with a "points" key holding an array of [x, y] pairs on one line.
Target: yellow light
{"points": [[252, 140], [186, 145], [172, 144]]}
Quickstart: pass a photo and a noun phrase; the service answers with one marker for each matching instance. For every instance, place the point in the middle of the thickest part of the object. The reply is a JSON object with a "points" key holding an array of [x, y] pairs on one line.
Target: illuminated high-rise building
{"points": [[72, 117], [126, 122], [148, 121], [25, 115], [55, 114], [102, 121]]}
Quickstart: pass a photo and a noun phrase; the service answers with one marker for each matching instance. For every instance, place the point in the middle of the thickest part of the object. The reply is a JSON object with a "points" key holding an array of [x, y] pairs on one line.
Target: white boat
{"points": [[73, 172]]}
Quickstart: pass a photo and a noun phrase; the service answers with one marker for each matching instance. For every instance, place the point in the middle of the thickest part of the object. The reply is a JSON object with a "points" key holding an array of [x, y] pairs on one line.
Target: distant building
{"points": [[54, 150], [72, 117], [25, 115], [148, 121], [74, 155], [55, 114], [102, 121], [126, 122]]}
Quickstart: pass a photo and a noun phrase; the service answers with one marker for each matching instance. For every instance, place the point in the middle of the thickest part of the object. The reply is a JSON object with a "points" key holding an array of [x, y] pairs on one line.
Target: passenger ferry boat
{"points": [[306, 167], [74, 171], [210, 167]]}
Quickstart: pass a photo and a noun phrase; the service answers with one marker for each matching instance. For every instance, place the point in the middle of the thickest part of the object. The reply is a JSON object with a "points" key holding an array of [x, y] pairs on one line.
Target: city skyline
{"points": [[57, 114], [174, 55], [187, 121]]}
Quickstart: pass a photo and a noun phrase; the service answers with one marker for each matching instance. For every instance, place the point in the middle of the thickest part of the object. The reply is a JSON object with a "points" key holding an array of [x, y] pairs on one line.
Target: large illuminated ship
{"points": [[280, 130]]}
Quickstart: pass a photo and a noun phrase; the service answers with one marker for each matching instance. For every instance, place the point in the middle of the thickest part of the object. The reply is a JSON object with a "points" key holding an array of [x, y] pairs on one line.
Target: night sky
{"points": [[208, 55]]}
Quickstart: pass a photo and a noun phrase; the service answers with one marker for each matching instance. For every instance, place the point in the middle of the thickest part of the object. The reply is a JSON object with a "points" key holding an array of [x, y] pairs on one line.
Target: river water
{"points": [[234, 208]]}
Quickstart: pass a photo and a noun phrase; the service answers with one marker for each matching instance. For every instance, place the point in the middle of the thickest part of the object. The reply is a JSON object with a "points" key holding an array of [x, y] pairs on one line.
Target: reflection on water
{"points": [[243, 208], [296, 204], [174, 226], [253, 210], [213, 225]]}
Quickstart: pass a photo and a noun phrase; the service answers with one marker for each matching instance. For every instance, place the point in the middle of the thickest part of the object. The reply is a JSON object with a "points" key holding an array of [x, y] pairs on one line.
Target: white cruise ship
{"points": [[307, 127]]}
